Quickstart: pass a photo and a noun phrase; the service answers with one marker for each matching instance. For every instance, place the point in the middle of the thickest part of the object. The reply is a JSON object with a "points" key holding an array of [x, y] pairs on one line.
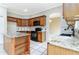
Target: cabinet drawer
{"points": [[19, 51], [20, 40], [20, 46]]}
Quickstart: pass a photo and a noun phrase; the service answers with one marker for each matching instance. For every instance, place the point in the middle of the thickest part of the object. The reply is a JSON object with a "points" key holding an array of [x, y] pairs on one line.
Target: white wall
{"points": [[17, 15], [64, 26], [14, 15], [11, 28], [3, 23]]}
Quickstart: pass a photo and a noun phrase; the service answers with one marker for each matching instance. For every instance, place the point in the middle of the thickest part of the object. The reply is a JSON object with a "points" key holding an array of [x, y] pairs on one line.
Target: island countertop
{"points": [[16, 35], [65, 42]]}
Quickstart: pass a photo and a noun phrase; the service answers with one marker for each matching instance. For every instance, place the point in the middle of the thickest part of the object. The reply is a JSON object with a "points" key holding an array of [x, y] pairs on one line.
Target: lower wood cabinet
{"points": [[39, 36], [17, 45], [56, 50]]}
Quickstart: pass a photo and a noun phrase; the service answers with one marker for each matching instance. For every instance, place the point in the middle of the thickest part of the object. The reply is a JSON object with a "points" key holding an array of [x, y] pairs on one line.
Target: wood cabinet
{"points": [[56, 50], [19, 22], [11, 19], [17, 45], [30, 22], [42, 20], [70, 11], [39, 36], [22, 22]]}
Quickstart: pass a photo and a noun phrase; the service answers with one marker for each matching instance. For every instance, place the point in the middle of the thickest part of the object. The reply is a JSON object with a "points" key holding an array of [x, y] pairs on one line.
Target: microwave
{"points": [[36, 23]]}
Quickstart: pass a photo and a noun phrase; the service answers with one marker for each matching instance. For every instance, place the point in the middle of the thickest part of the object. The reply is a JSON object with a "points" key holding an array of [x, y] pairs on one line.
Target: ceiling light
{"points": [[25, 10]]}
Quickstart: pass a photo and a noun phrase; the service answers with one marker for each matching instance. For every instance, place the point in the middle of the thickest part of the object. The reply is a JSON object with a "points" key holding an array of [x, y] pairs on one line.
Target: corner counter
{"points": [[63, 45]]}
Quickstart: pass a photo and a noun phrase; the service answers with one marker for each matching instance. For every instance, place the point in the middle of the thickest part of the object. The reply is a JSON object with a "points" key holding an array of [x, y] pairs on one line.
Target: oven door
{"points": [[34, 36]]}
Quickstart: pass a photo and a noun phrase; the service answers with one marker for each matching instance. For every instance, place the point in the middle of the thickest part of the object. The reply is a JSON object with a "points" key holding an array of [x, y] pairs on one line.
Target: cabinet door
{"points": [[30, 22], [42, 21], [27, 49], [19, 22], [11, 19], [39, 36], [70, 10], [24, 22]]}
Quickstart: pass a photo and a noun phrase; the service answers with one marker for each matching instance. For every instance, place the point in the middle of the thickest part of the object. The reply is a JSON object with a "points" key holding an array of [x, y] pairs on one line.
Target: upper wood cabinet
{"points": [[30, 22], [11, 19], [42, 21], [70, 10], [22, 22], [19, 22]]}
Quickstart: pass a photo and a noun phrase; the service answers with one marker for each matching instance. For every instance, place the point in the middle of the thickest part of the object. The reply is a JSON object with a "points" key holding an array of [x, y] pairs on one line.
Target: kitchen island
{"points": [[63, 45], [17, 44]]}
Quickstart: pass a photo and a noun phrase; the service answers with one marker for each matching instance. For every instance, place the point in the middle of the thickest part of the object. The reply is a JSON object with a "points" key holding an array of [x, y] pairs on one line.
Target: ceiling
{"points": [[33, 8]]}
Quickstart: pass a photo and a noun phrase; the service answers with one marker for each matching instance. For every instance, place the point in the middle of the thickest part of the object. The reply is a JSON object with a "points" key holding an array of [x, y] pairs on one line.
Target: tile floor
{"points": [[36, 48], [2, 51]]}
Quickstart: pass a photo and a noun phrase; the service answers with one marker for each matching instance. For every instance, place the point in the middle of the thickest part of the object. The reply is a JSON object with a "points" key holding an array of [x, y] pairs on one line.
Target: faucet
{"points": [[72, 28]]}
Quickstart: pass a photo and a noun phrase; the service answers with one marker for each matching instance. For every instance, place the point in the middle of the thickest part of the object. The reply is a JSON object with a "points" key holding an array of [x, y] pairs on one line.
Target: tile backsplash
{"points": [[23, 28], [77, 33]]}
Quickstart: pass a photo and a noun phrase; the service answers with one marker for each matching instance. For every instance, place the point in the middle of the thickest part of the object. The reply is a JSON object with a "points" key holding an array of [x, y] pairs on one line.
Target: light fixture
{"points": [[50, 20], [55, 15], [25, 10]]}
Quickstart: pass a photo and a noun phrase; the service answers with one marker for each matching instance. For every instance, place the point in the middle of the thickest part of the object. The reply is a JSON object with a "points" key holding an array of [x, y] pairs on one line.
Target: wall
{"points": [[3, 23], [11, 28], [77, 29], [16, 15], [64, 26], [55, 26]]}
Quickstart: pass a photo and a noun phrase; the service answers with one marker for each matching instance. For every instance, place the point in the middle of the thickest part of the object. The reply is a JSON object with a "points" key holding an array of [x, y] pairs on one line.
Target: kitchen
{"points": [[39, 31], [25, 35]]}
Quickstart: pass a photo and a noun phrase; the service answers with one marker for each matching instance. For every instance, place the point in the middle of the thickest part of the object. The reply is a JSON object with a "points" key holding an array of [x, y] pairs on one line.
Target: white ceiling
{"points": [[33, 8]]}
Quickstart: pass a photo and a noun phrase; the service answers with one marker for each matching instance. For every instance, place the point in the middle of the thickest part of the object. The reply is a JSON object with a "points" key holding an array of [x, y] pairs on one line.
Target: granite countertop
{"points": [[16, 35], [65, 42]]}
